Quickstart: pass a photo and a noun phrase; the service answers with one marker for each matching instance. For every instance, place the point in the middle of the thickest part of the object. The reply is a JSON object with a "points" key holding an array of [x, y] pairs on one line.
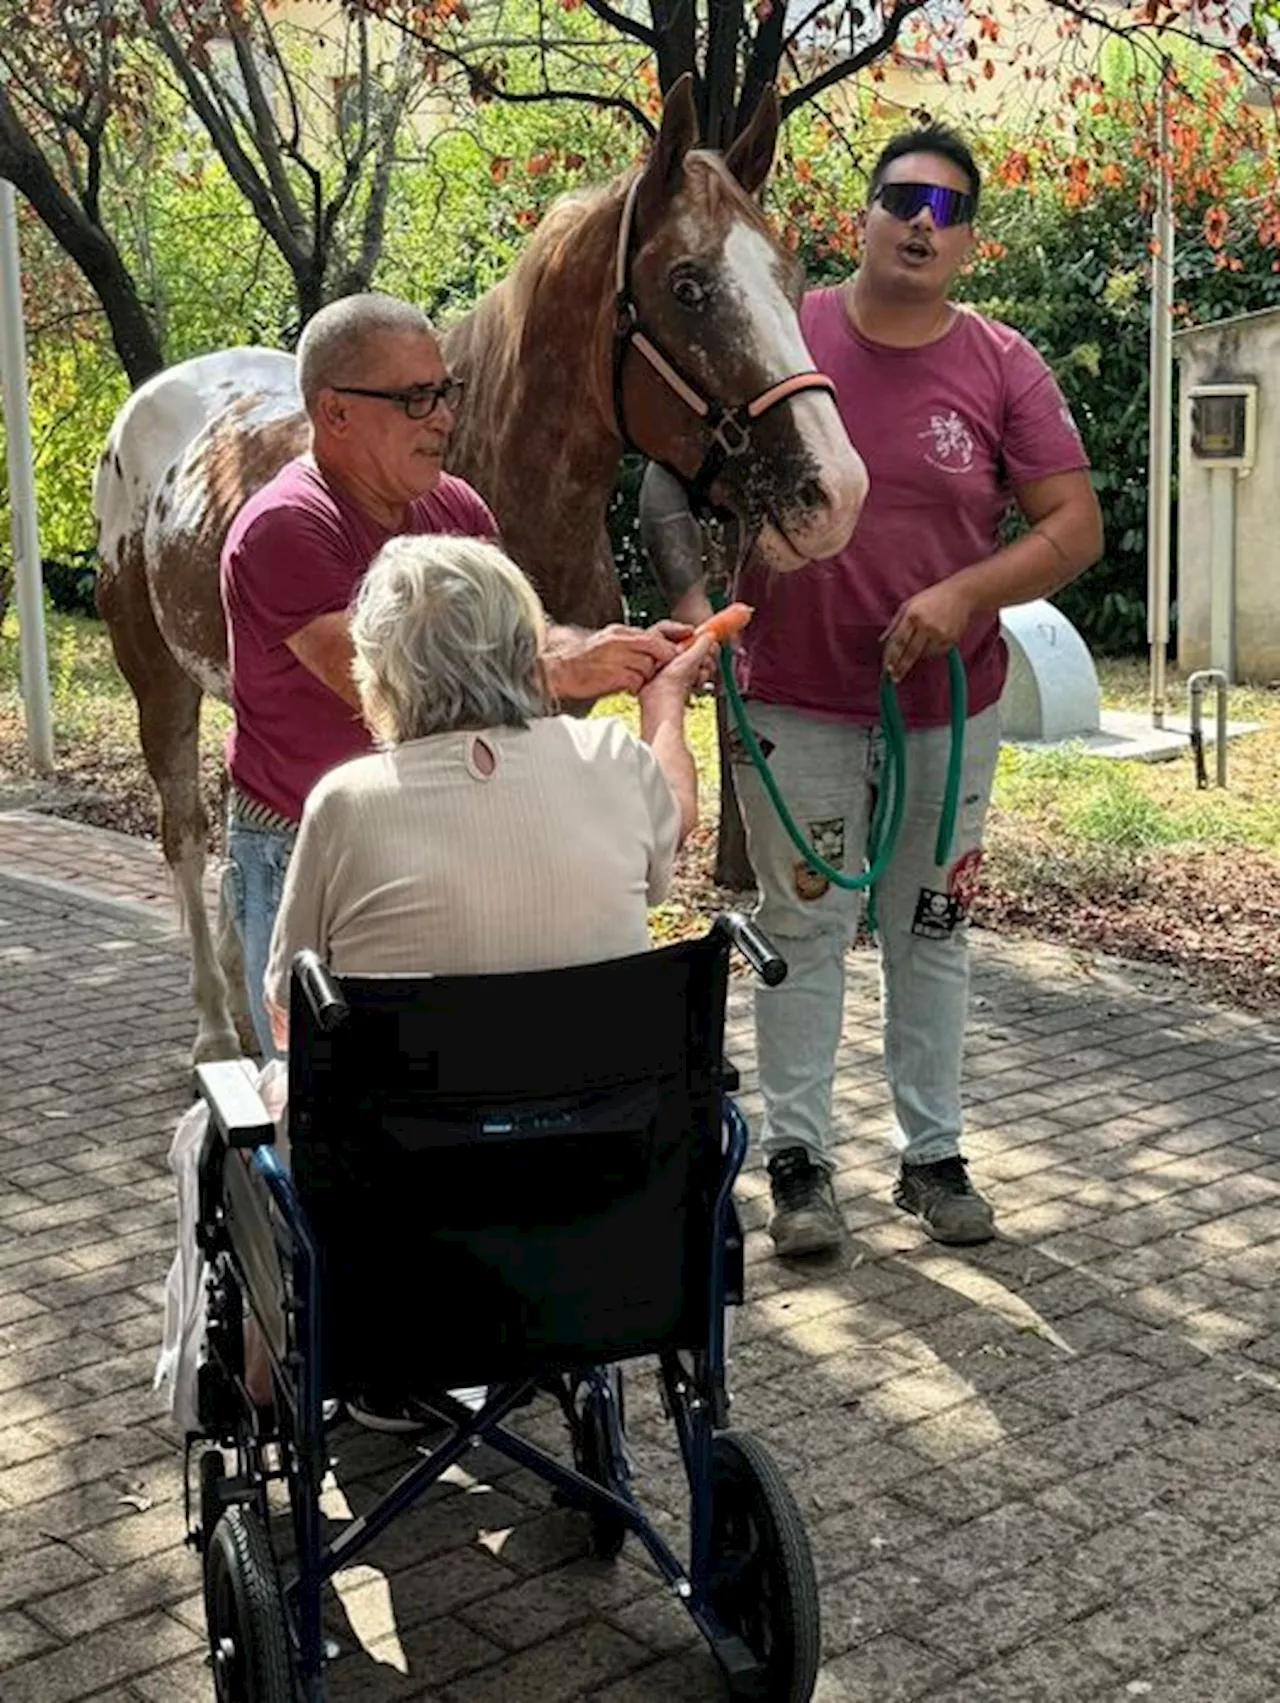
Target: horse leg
{"points": [[169, 725]]}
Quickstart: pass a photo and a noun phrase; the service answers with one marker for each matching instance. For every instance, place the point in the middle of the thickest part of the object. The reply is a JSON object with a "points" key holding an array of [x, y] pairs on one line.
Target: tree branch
{"points": [[623, 24], [240, 167], [853, 62]]}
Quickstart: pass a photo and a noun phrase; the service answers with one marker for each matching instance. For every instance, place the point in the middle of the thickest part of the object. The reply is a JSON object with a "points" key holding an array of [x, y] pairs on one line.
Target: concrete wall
{"points": [[1244, 350]]}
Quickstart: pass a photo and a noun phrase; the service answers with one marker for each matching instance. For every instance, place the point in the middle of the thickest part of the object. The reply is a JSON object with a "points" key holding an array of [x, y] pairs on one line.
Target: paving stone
{"points": [[1253, 1643], [889, 1669], [882, 1597], [589, 1659], [120, 1652], [1053, 1670], [1157, 1621], [1196, 1677]]}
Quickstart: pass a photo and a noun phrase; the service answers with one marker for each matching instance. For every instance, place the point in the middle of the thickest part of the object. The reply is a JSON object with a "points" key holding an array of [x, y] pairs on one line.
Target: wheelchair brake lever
{"points": [[328, 1007]]}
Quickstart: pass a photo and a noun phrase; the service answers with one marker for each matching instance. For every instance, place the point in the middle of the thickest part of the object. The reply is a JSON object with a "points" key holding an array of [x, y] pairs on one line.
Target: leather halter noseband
{"points": [[729, 427]]}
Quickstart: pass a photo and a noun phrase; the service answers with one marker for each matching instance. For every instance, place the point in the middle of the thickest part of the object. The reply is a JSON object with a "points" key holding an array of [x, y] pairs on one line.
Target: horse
{"points": [[634, 312]]}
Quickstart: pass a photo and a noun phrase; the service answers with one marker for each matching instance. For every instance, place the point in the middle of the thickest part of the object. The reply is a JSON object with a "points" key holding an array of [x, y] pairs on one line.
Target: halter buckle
{"points": [[731, 433]]}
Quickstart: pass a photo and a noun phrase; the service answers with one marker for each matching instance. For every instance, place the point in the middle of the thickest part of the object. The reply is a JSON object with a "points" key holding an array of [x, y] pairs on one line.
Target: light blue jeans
{"points": [[828, 773], [253, 881]]}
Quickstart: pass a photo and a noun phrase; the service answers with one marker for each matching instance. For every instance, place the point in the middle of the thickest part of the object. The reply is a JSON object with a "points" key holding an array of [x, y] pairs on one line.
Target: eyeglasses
{"points": [[419, 401], [905, 200]]}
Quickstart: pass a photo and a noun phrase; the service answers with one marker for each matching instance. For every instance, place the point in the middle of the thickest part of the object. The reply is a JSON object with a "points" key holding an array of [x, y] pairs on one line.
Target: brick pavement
{"points": [[1040, 1470]]}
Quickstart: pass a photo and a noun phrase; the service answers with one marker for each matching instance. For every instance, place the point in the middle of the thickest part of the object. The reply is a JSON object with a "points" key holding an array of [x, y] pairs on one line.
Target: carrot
{"points": [[725, 624]]}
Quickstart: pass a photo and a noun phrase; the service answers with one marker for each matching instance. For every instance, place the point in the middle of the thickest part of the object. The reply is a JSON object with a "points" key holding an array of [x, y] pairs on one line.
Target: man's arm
{"points": [[324, 647], [1065, 539]]}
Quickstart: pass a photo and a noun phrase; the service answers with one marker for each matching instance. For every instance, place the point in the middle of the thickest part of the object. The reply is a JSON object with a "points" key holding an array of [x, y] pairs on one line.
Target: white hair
{"points": [[448, 634], [334, 342]]}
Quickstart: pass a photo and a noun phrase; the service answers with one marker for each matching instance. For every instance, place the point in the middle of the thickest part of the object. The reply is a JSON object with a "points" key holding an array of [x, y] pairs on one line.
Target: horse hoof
{"points": [[223, 1043]]}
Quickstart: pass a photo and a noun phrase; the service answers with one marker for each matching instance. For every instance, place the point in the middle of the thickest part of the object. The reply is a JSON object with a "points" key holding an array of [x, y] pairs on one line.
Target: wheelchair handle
{"points": [[328, 1007], [755, 946]]}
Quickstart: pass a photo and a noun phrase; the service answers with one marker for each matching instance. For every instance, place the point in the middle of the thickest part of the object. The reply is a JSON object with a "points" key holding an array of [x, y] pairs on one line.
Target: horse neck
{"points": [[537, 437]]}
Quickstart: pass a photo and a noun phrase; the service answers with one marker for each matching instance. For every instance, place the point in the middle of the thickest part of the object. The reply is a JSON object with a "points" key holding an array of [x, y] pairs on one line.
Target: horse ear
{"points": [[751, 156], [678, 134]]}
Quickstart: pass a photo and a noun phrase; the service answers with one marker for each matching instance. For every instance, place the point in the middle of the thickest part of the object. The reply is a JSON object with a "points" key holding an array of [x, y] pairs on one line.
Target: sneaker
{"points": [[945, 1201], [805, 1218], [399, 1416]]}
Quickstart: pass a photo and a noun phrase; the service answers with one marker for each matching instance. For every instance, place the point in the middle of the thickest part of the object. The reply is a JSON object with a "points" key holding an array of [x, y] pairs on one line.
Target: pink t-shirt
{"points": [[946, 431], [296, 550]]}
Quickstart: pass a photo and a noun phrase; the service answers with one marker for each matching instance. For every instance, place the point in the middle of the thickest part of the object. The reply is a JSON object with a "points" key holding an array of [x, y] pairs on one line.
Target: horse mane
{"points": [[574, 239], [488, 342]]}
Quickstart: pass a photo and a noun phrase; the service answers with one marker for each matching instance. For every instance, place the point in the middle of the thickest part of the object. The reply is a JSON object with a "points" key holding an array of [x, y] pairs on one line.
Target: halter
{"points": [[729, 428]]}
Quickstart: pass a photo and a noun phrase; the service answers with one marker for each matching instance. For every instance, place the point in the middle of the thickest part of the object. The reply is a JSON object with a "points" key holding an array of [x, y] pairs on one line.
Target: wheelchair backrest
{"points": [[512, 1173]]}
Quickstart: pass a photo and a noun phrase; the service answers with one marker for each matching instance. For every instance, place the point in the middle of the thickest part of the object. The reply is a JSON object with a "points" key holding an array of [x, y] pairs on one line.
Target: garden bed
{"points": [[1123, 858]]}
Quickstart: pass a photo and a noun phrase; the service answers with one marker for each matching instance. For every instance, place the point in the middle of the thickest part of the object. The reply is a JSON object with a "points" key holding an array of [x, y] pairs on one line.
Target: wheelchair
{"points": [[554, 1154]]}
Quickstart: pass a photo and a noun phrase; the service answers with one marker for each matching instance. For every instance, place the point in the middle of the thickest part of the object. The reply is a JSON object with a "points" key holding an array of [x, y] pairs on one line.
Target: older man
{"points": [[381, 407]]}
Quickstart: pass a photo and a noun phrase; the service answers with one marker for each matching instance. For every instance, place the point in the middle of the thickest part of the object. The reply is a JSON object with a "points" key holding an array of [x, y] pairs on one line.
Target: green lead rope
{"points": [[886, 819]]}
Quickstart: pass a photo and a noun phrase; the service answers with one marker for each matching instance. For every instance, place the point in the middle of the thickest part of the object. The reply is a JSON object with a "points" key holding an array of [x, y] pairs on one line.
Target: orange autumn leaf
{"points": [[1215, 226]]}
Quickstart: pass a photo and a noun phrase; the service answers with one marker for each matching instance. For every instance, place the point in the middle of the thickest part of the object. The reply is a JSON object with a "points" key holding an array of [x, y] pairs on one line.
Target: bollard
{"points": [[1197, 684]]}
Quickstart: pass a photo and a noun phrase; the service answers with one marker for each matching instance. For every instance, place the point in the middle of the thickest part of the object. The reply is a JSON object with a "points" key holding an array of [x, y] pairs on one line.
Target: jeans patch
{"points": [[827, 839], [738, 752], [937, 915], [809, 883], [965, 878]]}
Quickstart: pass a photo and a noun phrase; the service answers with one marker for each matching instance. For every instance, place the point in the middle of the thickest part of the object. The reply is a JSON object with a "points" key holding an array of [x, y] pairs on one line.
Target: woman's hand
{"points": [[670, 687]]}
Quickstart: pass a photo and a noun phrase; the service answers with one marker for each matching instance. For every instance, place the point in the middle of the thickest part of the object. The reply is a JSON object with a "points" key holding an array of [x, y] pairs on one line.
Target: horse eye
{"points": [[688, 288]]}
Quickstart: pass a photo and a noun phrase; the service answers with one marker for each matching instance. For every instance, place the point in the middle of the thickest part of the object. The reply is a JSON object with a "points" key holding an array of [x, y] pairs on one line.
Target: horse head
{"points": [[712, 377]]}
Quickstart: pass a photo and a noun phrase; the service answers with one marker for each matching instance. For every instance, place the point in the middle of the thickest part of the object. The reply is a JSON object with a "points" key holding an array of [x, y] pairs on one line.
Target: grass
{"points": [[1097, 802], [1061, 796]]}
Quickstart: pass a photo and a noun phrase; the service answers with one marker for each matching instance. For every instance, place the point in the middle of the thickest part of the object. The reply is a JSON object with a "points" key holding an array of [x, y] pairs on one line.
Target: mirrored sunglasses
{"points": [[905, 200]]}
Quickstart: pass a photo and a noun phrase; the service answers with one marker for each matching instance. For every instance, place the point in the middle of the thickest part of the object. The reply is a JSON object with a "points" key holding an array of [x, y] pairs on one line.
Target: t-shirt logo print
{"points": [[950, 441]]}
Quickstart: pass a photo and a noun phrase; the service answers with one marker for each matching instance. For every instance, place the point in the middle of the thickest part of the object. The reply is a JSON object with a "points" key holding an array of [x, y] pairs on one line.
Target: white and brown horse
{"points": [[659, 312]]}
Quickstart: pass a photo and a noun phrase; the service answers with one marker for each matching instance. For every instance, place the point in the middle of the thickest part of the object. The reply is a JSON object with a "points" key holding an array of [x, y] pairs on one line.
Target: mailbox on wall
{"points": [[1224, 424]]}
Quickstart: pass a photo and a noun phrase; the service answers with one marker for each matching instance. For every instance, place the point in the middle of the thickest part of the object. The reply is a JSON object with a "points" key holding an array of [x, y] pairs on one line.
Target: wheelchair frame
{"points": [[247, 1196]]}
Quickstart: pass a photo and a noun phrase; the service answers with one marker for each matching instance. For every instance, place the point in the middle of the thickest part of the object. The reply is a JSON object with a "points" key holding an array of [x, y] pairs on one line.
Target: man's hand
{"points": [[615, 659], [927, 624]]}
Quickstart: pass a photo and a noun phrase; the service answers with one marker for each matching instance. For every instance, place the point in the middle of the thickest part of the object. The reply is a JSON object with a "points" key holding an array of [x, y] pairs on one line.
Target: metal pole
{"points": [[1160, 425], [22, 492]]}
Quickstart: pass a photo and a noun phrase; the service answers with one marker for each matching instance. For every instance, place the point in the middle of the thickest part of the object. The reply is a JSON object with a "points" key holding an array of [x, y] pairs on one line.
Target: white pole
{"points": [[1222, 571], [1160, 428], [22, 492]]}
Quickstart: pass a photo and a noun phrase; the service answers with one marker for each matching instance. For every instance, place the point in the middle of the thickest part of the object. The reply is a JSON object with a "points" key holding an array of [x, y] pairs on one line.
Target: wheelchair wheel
{"points": [[247, 1634], [762, 1583], [595, 1453]]}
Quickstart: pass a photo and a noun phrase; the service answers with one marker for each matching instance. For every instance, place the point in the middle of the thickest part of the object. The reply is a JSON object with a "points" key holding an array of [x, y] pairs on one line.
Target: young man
{"points": [[380, 405], [954, 415]]}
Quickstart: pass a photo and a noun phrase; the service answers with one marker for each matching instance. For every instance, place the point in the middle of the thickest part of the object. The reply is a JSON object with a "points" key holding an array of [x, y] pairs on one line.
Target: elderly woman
{"points": [[489, 834]]}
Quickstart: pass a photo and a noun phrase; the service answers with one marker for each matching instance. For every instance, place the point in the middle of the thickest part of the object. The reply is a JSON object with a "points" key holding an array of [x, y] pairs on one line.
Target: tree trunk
{"points": [[133, 330]]}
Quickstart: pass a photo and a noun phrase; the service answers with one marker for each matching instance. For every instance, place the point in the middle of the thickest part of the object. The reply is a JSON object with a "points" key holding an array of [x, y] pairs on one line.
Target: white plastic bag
{"points": [[184, 1297]]}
